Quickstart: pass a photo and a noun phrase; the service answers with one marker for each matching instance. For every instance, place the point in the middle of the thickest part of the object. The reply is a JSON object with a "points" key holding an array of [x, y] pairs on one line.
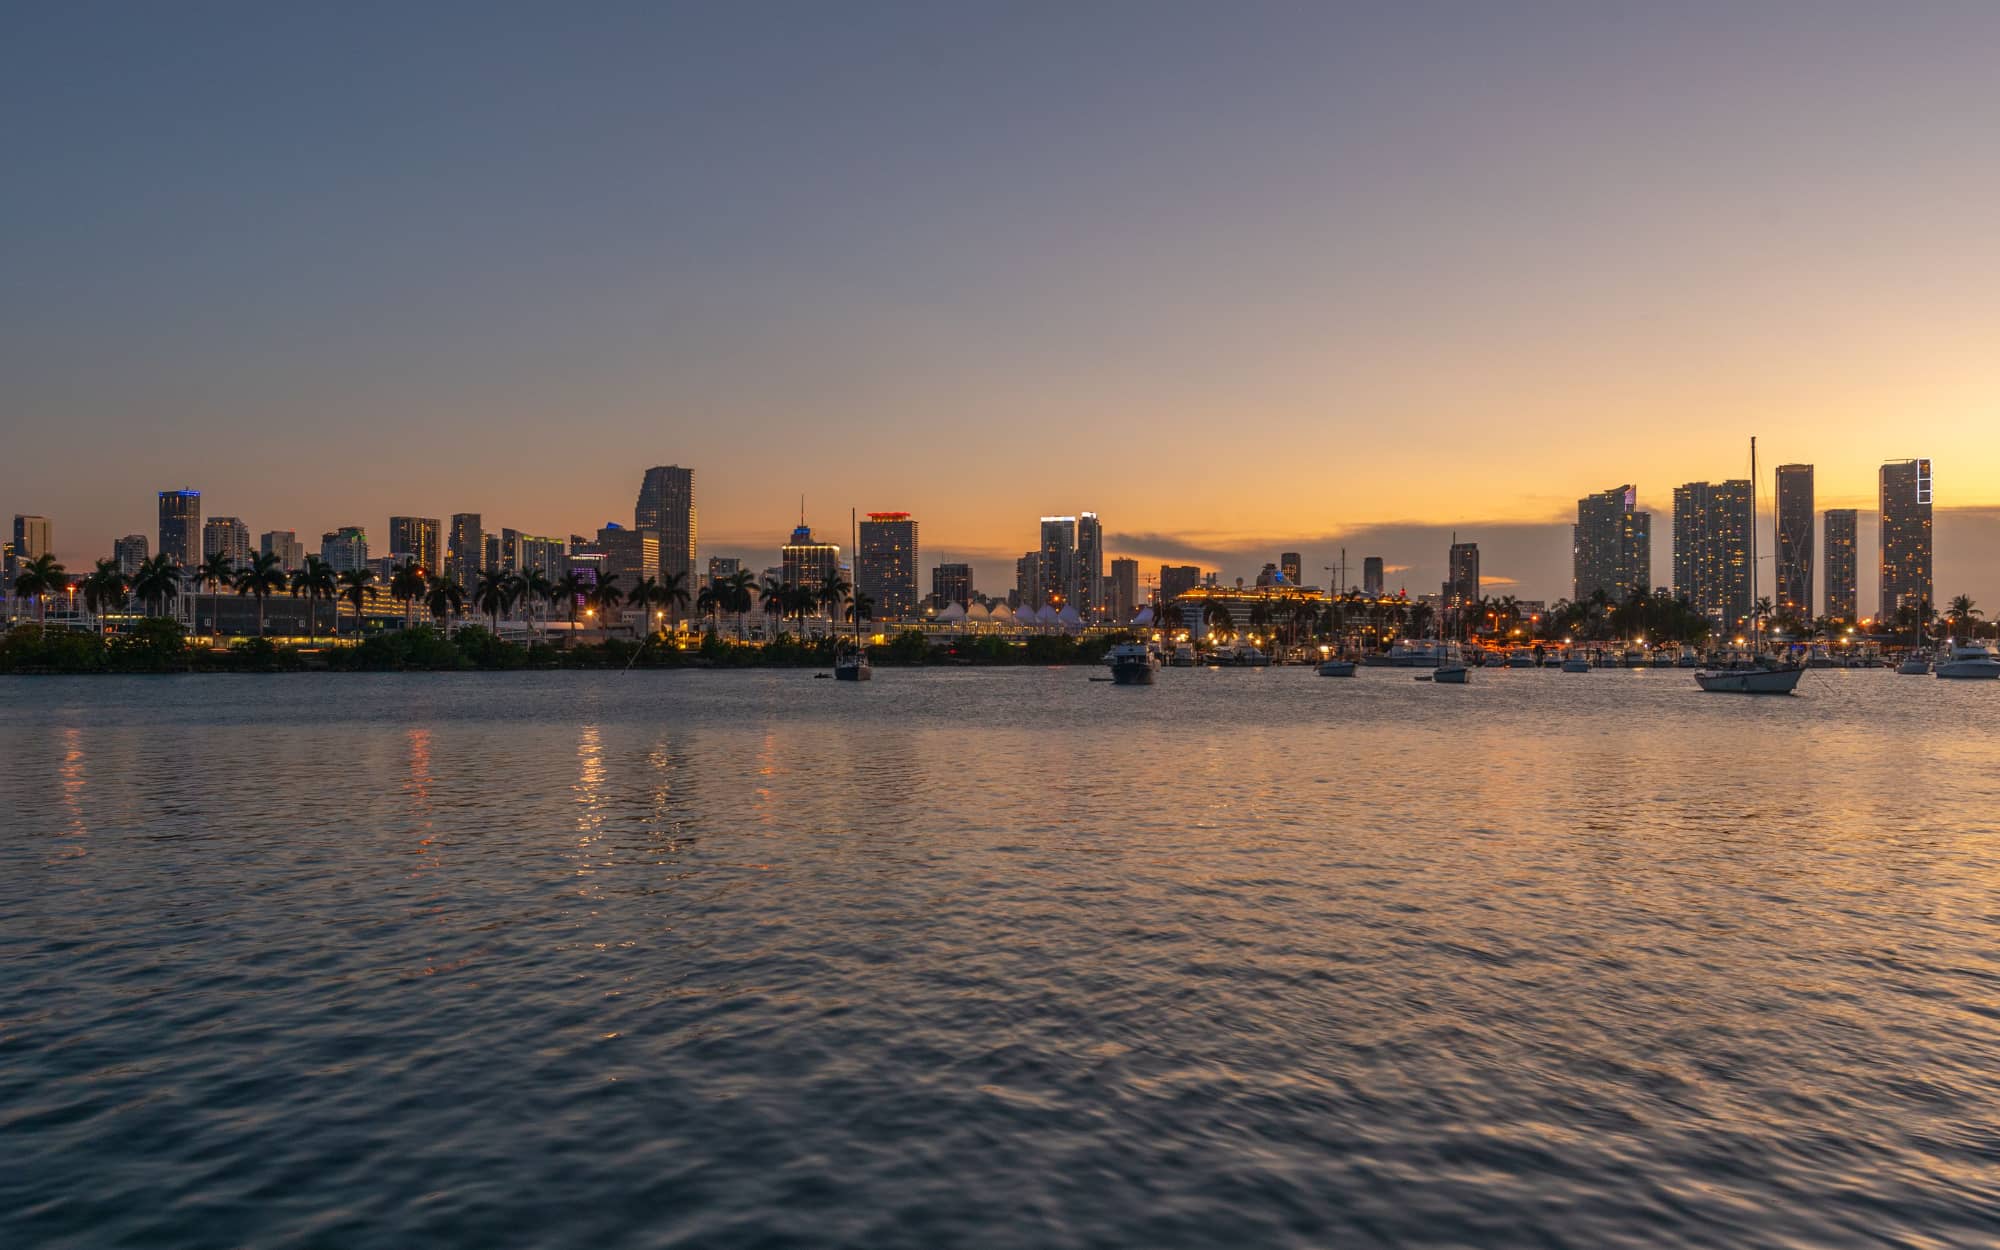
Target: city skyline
{"points": [[1181, 253]]}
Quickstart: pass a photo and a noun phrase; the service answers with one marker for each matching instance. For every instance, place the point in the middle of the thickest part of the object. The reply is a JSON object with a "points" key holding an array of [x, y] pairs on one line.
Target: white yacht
{"points": [[1132, 664], [1968, 660], [1914, 665]]}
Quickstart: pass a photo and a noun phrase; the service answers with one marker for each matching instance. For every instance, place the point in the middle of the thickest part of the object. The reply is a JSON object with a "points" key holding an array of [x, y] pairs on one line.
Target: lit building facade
{"points": [[1712, 550], [885, 565], [1612, 545], [419, 539], [1177, 579], [1843, 564], [1906, 536], [226, 536], [1462, 586], [465, 549], [951, 583], [1027, 581], [666, 507], [180, 526], [1793, 525], [1058, 564], [629, 555], [1292, 566], [1088, 578], [805, 561], [344, 549], [130, 552], [34, 537]]}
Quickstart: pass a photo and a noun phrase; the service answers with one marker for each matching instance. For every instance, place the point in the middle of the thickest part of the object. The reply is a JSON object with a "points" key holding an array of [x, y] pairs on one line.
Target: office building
{"points": [[1793, 528], [1027, 581], [1611, 545], [419, 539], [1292, 566], [1461, 588], [666, 507], [34, 537], [465, 548], [1177, 579], [543, 555], [489, 553], [1058, 552], [180, 526], [1843, 564], [885, 565], [285, 545], [720, 567], [1906, 536], [344, 548], [1372, 580], [1124, 590], [130, 552], [1712, 550], [951, 583], [805, 561], [226, 536], [630, 555], [1087, 575]]}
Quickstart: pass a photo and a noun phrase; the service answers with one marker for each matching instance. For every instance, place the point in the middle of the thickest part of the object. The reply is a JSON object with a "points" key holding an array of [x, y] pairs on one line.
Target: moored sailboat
{"points": [[1761, 675]]}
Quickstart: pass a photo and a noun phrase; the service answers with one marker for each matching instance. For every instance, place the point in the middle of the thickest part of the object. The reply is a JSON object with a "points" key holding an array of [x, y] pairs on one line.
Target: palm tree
{"points": [[777, 599], [406, 582], [158, 580], [709, 603], [314, 580], [1421, 616], [1760, 612], [861, 607], [1216, 617], [803, 601], [1962, 608], [569, 588], [832, 593], [644, 594], [445, 598], [493, 594], [104, 591], [354, 584], [605, 596], [263, 578], [673, 595], [38, 579], [739, 591], [213, 574], [1260, 616], [531, 588]]}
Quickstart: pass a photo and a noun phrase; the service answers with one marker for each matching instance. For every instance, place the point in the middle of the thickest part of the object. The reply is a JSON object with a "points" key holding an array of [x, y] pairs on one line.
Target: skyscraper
{"points": [[1087, 581], [285, 545], [1124, 590], [130, 552], [466, 548], [180, 526], [807, 561], [1177, 579], [629, 555], [345, 548], [1843, 565], [1612, 544], [1906, 536], [1371, 576], [227, 536], [1794, 528], [34, 537], [1463, 587], [951, 583], [1028, 580], [885, 566], [666, 506], [1712, 549], [1292, 567], [1058, 588], [418, 538]]}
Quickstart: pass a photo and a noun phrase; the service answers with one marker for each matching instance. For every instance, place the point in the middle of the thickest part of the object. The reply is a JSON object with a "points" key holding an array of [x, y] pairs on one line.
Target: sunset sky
{"points": [[1237, 277]]}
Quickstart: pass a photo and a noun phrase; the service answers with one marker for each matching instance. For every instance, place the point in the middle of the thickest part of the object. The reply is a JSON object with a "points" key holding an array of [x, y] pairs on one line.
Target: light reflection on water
{"points": [[998, 958]]}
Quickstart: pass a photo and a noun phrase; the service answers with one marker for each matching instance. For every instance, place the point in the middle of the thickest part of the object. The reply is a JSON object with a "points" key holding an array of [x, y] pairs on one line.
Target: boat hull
{"points": [[1132, 674], [854, 672], [1750, 680], [1336, 668], [1450, 674], [1969, 669]]}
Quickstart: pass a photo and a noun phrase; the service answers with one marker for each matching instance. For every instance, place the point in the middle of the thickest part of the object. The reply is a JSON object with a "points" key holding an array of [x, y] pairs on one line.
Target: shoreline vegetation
{"points": [[162, 645]]}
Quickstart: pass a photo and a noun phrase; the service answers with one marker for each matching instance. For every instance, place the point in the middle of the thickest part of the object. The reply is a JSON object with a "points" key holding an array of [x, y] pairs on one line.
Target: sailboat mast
{"points": [[1756, 623]]}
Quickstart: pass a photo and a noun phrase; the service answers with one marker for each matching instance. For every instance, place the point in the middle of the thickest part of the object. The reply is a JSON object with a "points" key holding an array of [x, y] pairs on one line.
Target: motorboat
{"points": [[1762, 678], [1336, 666], [1240, 655], [1521, 658], [1688, 658], [1969, 660], [1416, 653], [1450, 673], [853, 665], [1914, 665], [1576, 664], [1132, 664], [1183, 656]]}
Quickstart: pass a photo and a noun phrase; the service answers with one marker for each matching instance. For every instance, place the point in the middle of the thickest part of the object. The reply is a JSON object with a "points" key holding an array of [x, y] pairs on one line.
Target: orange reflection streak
{"points": [[72, 778], [589, 790], [418, 786]]}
